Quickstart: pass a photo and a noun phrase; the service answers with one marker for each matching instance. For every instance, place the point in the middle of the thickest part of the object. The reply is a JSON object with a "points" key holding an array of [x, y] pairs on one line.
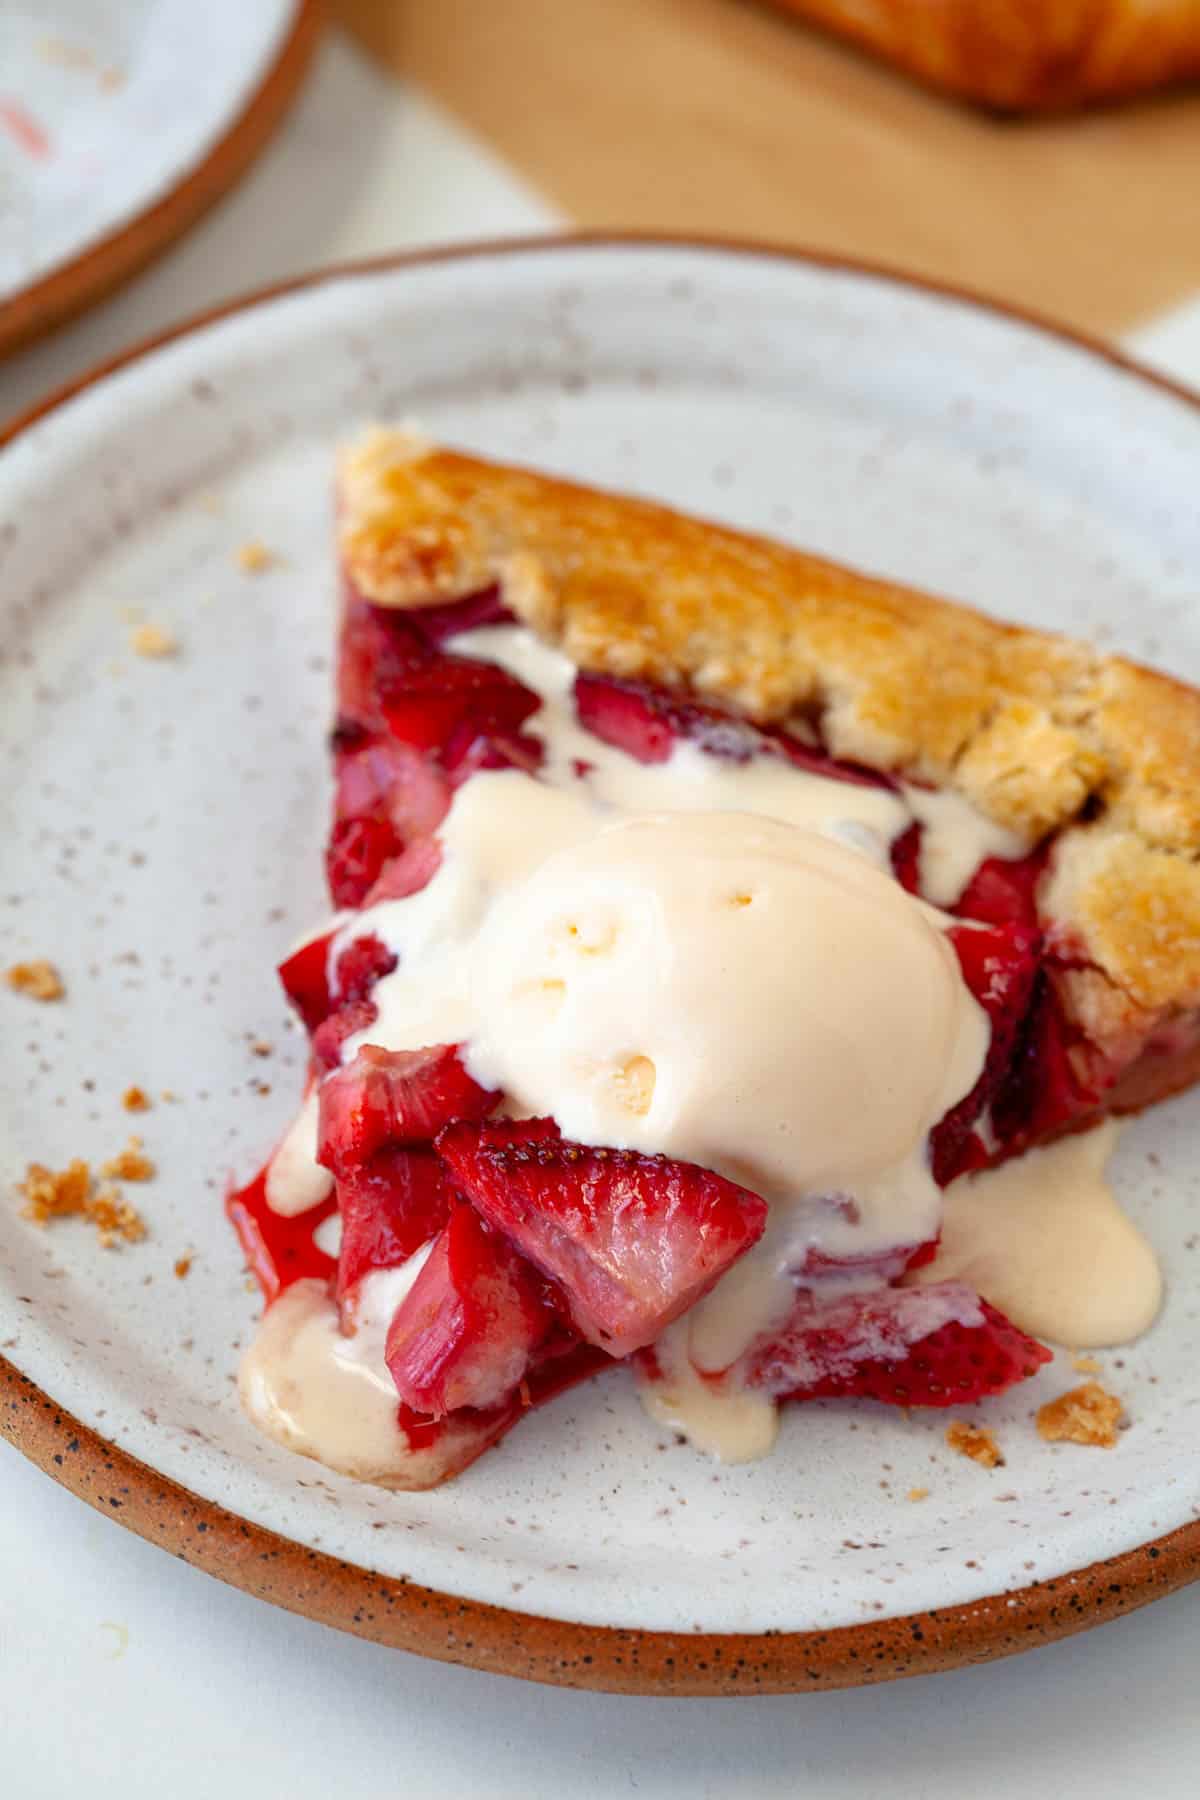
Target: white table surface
{"points": [[125, 1673]]}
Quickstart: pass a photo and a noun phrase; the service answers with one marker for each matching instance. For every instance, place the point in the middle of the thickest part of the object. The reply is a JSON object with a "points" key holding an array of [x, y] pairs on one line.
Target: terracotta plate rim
{"points": [[404, 1615], [76, 284]]}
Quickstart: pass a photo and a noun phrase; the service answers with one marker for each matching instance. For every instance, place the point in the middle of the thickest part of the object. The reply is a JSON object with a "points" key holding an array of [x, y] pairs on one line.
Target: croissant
{"points": [[1025, 55]]}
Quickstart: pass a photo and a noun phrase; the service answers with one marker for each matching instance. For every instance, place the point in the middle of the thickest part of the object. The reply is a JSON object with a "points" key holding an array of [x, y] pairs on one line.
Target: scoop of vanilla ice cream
{"points": [[730, 990]]}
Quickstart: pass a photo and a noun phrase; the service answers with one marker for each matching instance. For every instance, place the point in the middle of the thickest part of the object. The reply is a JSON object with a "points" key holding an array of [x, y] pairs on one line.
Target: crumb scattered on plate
{"points": [[254, 557], [183, 1267], [153, 640], [975, 1442], [65, 1193], [1085, 1365], [136, 1099], [1084, 1415], [918, 1493], [130, 1164], [39, 979], [260, 1047], [169, 1095]]}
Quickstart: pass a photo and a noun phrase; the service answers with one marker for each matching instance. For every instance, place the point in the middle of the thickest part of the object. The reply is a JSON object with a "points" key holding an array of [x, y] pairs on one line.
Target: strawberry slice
{"points": [[425, 703], [388, 796], [304, 976], [407, 873], [356, 852], [906, 858], [1004, 893], [363, 962], [360, 965], [646, 721], [469, 750], [346, 1022], [447, 619], [466, 1331], [932, 1346], [440, 1448], [999, 964], [634, 1240], [389, 1097], [390, 1206]]}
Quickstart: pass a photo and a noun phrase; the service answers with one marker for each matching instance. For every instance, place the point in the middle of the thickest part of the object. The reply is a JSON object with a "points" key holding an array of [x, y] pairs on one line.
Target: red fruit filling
{"points": [[934, 1346], [393, 1097], [278, 1251], [468, 1328], [633, 1240]]}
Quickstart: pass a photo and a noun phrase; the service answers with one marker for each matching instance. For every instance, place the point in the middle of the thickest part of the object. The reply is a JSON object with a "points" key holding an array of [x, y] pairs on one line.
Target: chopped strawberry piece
{"points": [[332, 1033], [1000, 966], [357, 851], [906, 858], [394, 1097], [815, 761], [429, 700], [377, 645], [389, 795], [634, 1240], [466, 1331], [625, 714], [1045, 1088], [305, 978], [363, 962], [1002, 893], [470, 750], [646, 721], [933, 1346], [390, 1206], [441, 1448], [407, 873], [437, 623], [382, 779]]}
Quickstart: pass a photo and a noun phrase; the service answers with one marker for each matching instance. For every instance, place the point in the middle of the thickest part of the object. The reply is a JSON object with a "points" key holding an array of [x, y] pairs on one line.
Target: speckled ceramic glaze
{"points": [[119, 121], [162, 828]]}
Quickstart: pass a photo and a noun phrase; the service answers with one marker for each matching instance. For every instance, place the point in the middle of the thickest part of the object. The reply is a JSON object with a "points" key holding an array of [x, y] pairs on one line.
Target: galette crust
{"points": [[1041, 734]]}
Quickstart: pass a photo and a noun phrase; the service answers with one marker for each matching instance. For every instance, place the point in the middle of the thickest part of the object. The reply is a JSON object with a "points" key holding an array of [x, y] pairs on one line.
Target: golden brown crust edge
{"points": [[1035, 730], [1025, 55]]}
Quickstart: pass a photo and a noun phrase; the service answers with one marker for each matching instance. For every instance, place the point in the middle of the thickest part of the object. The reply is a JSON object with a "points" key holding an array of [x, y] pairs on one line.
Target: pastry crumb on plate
{"points": [[39, 979], [1084, 1415], [130, 1164], [153, 641], [66, 1193], [974, 1442]]}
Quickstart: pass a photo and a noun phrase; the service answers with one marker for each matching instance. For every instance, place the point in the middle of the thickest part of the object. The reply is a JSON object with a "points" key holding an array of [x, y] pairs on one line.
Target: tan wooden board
{"points": [[718, 116]]}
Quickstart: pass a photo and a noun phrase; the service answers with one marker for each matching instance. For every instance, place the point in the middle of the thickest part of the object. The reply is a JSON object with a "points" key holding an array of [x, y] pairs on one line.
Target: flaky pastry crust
{"points": [[1043, 735], [1025, 55]]}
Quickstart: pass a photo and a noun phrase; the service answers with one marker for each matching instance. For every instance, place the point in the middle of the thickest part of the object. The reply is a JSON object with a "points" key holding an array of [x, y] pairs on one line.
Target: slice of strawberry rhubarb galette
{"points": [[730, 953]]}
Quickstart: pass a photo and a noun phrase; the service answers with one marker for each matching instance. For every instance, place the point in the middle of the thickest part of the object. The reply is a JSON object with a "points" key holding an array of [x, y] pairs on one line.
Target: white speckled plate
{"points": [[119, 121], [162, 828]]}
